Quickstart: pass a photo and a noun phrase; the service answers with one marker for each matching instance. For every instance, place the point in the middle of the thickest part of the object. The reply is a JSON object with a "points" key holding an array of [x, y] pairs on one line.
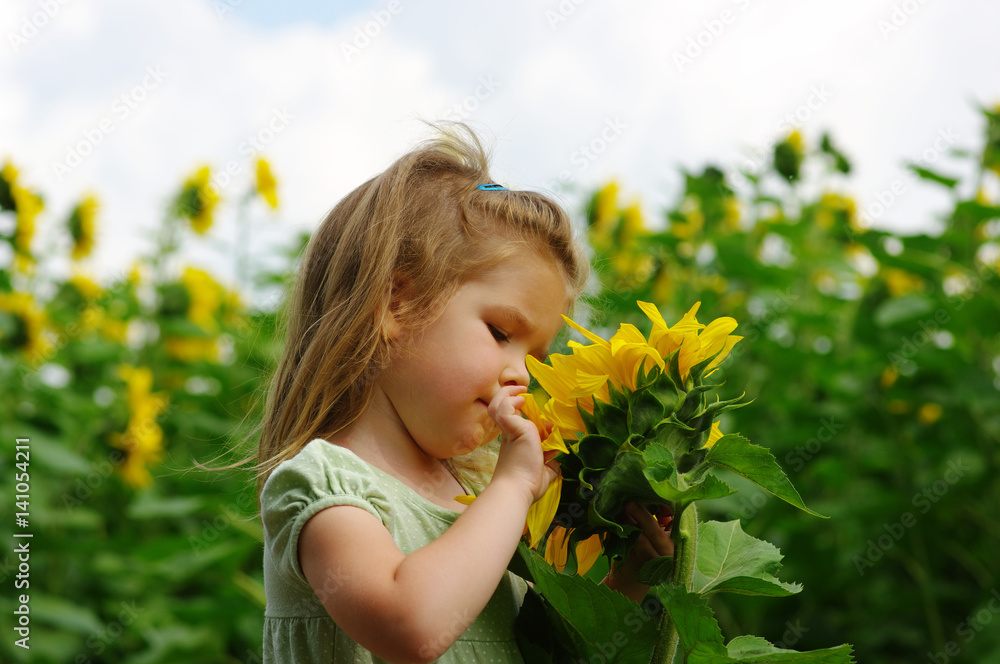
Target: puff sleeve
{"points": [[321, 475]]}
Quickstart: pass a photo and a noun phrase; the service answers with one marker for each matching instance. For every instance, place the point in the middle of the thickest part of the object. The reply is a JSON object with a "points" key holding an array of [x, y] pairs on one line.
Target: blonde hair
{"points": [[422, 223]]}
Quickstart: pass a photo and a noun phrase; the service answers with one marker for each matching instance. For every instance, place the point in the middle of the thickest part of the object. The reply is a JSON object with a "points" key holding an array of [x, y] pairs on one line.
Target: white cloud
{"points": [[551, 91]]}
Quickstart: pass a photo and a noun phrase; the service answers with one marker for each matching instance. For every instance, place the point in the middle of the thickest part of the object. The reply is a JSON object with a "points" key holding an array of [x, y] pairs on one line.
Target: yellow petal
{"points": [[587, 553], [554, 441], [465, 499], [714, 435], [556, 549], [585, 332], [543, 511], [723, 354]]}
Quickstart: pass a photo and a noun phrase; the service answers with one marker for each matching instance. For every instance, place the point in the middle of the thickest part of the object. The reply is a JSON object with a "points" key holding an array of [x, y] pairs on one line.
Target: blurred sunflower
{"points": [[143, 437], [266, 184], [26, 205], [24, 327], [197, 200], [788, 155], [81, 226]]}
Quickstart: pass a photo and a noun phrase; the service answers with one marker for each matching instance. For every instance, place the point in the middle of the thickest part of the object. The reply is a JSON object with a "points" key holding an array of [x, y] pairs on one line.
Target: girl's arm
{"points": [[411, 608]]}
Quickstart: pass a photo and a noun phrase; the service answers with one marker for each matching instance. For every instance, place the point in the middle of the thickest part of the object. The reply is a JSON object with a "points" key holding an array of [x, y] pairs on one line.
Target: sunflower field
{"points": [[870, 361]]}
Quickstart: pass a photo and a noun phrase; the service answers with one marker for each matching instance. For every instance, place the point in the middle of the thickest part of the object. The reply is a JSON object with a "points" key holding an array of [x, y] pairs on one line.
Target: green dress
{"points": [[296, 626]]}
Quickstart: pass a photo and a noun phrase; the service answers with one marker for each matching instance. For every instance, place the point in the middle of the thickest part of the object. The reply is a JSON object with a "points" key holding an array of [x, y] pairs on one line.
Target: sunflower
{"points": [[266, 184], [143, 437], [197, 200], [81, 227], [24, 327], [26, 205]]}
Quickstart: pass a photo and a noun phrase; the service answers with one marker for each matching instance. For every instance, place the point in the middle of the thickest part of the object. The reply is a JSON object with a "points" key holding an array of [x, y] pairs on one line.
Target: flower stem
{"points": [[685, 553]]}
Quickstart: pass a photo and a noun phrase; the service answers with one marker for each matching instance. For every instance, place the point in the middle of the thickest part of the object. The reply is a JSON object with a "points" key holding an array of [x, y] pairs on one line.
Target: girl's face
{"points": [[441, 379]]}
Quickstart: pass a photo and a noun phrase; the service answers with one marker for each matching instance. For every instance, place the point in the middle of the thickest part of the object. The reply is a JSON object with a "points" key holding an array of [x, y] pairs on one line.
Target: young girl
{"points": [[419, 297]]}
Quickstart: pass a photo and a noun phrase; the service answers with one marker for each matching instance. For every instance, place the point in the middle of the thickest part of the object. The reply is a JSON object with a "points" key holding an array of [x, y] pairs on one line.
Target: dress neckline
{"points": [[428, 505]]}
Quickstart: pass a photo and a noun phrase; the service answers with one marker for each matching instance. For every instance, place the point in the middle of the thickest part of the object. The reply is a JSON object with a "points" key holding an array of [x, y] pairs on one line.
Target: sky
{"points": [[126, 97]]}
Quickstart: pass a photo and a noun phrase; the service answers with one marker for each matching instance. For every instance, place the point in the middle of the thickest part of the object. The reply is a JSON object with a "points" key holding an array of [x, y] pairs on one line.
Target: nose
{"points": [[515, 373]]}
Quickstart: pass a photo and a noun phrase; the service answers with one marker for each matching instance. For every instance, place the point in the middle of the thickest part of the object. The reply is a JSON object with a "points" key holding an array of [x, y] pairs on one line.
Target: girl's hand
{"points": [[652, 543], [521, 458]]}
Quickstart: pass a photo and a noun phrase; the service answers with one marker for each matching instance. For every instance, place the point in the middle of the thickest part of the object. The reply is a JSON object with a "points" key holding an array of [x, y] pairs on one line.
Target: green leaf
{"points": [[900, 309], [656, 571], [644, 412], [597, 452], [591, 621], [758, 465], [693, 619], [928, 174], [610, 421], [729, 560], [755, 650], [707, 488], [624, 481]]}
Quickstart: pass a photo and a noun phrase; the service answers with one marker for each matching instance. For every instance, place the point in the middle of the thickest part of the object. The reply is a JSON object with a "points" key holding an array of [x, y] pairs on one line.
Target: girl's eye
{"points": [[497, 333]]}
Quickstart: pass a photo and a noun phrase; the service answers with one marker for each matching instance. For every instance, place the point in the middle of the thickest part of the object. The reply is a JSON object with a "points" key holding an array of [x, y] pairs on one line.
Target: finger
{"points": [[658, 537]]}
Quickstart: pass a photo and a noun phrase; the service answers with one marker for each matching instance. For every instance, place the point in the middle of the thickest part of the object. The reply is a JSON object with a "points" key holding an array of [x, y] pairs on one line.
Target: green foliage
{"points": [[872, 361], [125, 566]]}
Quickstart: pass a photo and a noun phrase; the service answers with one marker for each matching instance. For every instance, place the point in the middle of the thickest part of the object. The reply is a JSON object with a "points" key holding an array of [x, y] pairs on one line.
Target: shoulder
{"points": [[321, 475]]}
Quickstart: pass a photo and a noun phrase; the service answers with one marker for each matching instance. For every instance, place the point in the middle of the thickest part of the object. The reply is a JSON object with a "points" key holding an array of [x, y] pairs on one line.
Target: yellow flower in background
{"points": [[87, 287], [794, 139], [26, 205], [830, 204], [900, 282], [206, 296], [603, 215], [929, 413], [694, 220], [8, 178], [24, 327], [193, 349], [888, 377], [197, 200], [82, 227], [731, 213], [266, 184], [143, 437]]}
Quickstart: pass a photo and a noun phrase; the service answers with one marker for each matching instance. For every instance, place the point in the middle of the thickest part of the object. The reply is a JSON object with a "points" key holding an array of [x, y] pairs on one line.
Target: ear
{"points": [[392, 326]]}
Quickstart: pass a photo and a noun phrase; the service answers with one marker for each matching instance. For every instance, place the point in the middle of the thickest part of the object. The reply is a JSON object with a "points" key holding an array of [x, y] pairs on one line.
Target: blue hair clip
{"points": [[492, 187]]}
